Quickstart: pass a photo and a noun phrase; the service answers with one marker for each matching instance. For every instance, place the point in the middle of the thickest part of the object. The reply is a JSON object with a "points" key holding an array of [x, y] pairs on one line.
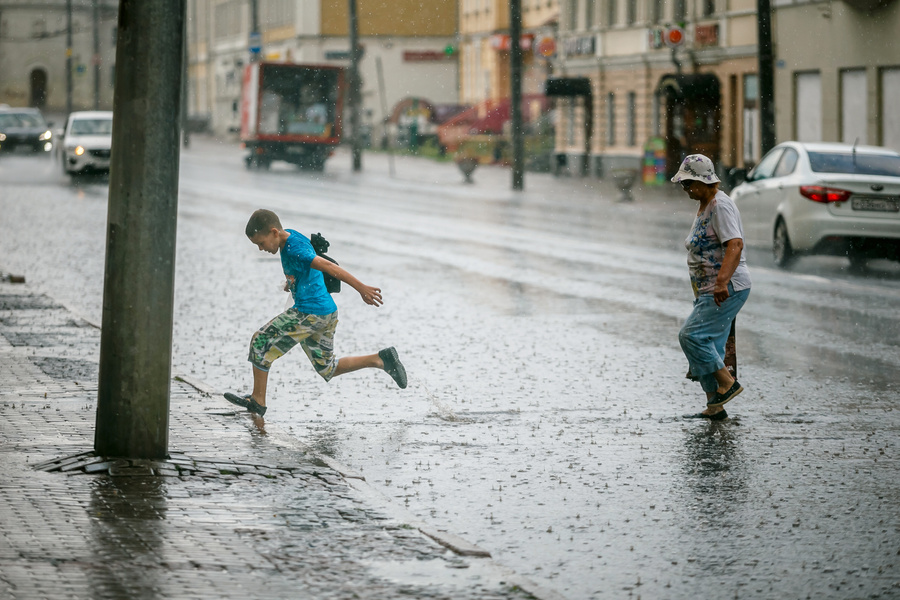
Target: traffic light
{"points": [[450, 50]]}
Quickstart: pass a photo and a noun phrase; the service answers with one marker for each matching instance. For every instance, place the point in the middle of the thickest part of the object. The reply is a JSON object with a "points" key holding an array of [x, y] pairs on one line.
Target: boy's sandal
{"points": [[393, 366], [255, 407], [246, 402], [239, 400], [720, 399], [715, 417]]}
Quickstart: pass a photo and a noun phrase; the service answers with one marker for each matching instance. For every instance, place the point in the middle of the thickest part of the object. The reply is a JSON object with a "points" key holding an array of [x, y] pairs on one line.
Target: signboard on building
{"points": [[580, 46], [544, 46], [501, 41], [426, 56], [706, 35], [674, 37]]}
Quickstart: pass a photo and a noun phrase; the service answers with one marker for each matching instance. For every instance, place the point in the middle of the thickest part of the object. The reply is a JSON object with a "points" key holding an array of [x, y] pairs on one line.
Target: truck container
{"points": [[291, 112]]}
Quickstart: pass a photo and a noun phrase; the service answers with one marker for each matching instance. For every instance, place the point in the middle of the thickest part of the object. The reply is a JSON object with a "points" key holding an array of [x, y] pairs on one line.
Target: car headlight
{"points": [[2, 137], [79, 150], [46, 135]]}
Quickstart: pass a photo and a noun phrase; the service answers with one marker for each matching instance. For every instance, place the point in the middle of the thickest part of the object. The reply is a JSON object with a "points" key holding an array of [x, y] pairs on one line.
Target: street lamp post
{"points": [[515, 79], [355, 140], [139, 279], [766, 76]]}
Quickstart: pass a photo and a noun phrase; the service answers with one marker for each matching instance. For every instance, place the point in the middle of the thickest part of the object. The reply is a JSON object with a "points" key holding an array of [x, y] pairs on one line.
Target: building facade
{"points": [[676, 76], [839, 80], [35, 54], [408, 45], [485, 44]]}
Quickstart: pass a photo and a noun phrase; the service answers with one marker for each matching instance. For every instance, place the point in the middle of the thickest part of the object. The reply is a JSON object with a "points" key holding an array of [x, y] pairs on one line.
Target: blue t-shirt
{"points": [[307, 284]]}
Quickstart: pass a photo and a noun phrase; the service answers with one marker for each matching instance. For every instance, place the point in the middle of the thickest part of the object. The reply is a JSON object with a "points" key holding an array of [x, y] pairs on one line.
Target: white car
{"points": [[836, 199], [86, 142]]}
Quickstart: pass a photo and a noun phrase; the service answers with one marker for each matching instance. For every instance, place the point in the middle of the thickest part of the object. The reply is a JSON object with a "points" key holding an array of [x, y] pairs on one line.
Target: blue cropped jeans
{"points": [[705, 333]]}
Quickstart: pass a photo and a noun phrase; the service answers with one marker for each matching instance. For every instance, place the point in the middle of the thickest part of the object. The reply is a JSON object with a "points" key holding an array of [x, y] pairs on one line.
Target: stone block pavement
{"points": [[238, 510]]}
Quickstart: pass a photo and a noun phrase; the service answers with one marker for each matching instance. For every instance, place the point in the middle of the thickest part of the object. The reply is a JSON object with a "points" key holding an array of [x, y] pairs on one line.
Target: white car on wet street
{"points": [[86, 142], [835, 199]]}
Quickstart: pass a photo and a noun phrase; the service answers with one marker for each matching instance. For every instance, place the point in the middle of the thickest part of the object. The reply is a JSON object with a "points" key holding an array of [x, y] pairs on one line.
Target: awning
{"points": [[694, 85], [568, 86]]}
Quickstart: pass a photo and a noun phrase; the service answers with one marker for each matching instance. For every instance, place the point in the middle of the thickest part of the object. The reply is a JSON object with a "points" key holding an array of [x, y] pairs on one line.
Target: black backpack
{"points": [[320, 245]]}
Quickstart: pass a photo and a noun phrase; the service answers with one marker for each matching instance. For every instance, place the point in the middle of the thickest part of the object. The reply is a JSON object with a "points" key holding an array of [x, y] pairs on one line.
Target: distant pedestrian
{"points": [[720, 281], [312, 319]]}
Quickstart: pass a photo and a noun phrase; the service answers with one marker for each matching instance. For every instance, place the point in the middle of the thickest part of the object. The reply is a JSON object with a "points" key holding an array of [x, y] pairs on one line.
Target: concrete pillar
{"points": [[136, 340]]}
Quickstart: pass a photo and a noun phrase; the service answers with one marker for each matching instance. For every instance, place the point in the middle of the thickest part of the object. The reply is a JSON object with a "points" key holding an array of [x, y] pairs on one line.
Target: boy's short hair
{"points": [[262, 221]]}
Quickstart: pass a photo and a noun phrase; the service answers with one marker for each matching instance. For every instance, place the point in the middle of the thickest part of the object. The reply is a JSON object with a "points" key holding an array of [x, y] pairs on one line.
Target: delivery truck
{"points": [[291, 112]]}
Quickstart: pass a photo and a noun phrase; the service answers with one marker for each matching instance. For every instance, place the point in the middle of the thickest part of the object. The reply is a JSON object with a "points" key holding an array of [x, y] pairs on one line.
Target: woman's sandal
{"points": [[714, 417], [720, 399]]}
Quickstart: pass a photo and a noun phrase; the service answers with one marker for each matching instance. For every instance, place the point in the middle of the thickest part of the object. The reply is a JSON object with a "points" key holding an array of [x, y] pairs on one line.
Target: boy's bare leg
{"points": [[348, 364], [260, 381]]}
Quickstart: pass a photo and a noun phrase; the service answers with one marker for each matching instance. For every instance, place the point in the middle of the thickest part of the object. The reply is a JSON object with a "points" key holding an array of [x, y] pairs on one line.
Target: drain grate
{"points": [[177, 465], [26, 302], [67, 368]]}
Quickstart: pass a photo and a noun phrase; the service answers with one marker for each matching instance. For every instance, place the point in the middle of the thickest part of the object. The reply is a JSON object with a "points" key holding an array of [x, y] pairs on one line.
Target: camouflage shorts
{"points": [[314, 333]]}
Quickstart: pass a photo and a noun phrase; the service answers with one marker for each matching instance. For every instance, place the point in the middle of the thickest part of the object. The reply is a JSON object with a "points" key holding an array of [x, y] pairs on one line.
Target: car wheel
{"points": [[782, 251]]}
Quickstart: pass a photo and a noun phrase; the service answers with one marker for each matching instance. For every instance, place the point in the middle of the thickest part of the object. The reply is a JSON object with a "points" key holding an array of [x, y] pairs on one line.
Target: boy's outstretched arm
{"points": [[370, 295]]}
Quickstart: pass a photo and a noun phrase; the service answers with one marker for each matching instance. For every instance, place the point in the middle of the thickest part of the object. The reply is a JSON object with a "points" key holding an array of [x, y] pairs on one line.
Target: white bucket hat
{"points": [[698, 168]]}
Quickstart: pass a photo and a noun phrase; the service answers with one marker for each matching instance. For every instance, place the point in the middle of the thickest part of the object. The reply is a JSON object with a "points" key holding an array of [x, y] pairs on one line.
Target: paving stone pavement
{"points": [[235, 511]]}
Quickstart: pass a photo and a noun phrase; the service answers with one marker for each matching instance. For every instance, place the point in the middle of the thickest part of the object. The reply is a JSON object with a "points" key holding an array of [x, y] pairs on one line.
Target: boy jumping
{"points": [[312, 319]]}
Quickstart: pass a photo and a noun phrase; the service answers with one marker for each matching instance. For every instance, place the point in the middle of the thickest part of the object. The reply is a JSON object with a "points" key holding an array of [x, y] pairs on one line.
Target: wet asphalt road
{"points": [[542, 420]]}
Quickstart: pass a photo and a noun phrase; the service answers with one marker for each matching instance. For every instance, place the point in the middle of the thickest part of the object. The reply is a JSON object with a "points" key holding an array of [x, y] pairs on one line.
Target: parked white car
{"points": [[836, 199], [86, 142]]}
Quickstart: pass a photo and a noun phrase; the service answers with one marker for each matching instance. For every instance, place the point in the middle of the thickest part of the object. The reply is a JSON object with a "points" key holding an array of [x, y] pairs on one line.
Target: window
{"points": [[858, 164], [853, 106], [656, 11], [277, 13], [573, 14], [657, 119], [751, 145], [808, 107], [228, 19], [709, 7], [611, 10], [890, 119], [631, 12], [766, 166], [679, 11], [630, 134], [611, 119], [570, 123], [787, 164], [589, 14]]}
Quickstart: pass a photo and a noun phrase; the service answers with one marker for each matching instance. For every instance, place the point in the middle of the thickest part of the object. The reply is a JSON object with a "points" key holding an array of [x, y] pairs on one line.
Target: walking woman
{"points": [[720, 280]]}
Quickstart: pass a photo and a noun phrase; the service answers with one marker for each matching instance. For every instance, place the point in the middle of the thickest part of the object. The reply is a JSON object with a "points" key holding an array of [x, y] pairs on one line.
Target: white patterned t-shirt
{"points": [[719, 223]]}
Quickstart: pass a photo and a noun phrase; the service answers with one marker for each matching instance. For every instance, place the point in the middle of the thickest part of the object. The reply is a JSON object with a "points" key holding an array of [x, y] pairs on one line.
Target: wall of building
{"points": [[391, 17], [617, 44], [484, 53], [407, 39], [835, 38], [33, 40]]}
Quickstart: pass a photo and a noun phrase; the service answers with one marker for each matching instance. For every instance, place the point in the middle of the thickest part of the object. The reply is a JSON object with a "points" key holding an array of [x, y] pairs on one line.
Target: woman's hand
{"points": [[720, 293]]}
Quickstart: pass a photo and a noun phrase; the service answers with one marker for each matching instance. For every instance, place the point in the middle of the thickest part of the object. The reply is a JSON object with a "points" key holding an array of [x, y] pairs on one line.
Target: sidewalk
{"points": [[237, 511]]}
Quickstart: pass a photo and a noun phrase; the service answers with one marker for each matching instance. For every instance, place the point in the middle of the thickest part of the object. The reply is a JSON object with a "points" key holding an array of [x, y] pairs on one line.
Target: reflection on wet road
{"points": [[546, 382]]}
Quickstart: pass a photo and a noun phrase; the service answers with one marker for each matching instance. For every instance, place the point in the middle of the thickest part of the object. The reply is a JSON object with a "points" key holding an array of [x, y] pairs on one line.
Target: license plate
{"points": [[876, 204]]}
